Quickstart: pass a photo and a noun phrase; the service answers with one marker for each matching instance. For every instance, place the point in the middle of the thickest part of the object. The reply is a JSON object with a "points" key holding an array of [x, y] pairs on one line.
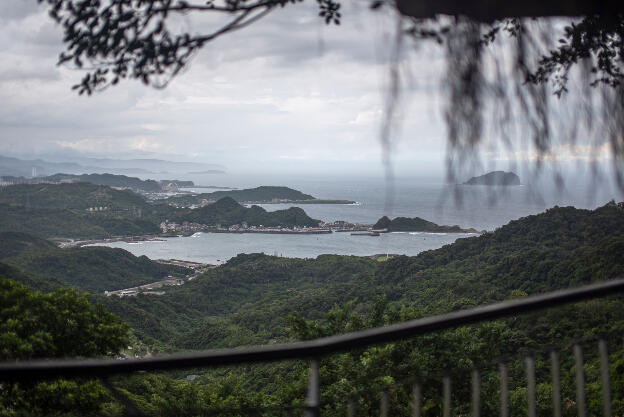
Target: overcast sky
{"points": [[287, 94]]}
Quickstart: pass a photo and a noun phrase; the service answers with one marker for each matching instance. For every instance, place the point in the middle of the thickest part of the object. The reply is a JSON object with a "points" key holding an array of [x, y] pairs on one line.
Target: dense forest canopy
{"points": [[256, 299], [59, 324], [94, 269]]}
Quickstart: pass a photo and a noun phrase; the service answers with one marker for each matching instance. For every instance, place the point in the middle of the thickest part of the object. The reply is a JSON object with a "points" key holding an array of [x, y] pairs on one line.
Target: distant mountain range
{"points": [[38, 167]]}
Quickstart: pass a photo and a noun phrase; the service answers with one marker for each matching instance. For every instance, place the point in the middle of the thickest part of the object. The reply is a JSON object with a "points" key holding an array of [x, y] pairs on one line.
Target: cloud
{"points": [[17, 10], [285, 90]]}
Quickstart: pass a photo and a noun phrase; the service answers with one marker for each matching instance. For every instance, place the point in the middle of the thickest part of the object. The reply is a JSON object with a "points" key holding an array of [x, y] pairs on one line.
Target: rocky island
{"points": [[495, 178], [416, 224]]}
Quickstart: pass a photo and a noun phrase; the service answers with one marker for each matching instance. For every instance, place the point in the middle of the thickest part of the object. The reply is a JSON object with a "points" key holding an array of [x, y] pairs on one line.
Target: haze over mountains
{"points": [[37, 167]]}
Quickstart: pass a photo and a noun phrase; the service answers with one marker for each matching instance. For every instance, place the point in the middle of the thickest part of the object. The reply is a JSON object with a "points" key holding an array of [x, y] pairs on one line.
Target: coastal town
{"points": [[323, 227]]}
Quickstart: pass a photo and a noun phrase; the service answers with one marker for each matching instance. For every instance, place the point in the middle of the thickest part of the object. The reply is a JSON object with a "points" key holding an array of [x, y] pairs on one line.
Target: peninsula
{"points": [[416, 224], [259, 195], [495, 178]]}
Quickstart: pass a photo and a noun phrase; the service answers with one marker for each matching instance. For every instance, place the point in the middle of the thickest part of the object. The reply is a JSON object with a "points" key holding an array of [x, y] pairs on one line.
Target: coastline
{"points": [[161, 237], [67, 244]]}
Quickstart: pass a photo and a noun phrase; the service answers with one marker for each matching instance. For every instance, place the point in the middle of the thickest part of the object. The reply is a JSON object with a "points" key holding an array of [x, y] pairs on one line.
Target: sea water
{"points": [[217, 248], [479, 207]]}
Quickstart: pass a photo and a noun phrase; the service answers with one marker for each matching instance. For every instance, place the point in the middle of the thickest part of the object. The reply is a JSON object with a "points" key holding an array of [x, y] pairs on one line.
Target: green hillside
{"points": [[33, 281], [261, 194], [76, 224], [227, 211], [88, 211], [110, 180], [77, 196], [94, 269], [263, 299], [252, 294], [251, 195], [416, 224]]}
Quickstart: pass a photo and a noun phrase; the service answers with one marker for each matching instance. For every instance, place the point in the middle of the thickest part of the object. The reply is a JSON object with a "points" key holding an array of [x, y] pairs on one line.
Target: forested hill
{"points": [[263, 194], [88, 211], [416, 224], [246, 300], [35, 282], [259, 299], [227, 211], [560, 248], [111, 180], [76, 196], [94, 269], [77, 224]]}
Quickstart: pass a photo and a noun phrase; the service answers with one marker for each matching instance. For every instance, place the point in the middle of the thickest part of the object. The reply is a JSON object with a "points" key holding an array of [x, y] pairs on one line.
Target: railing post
{"points": [[531, 387], [476, 393], [604, 373], [350, 406], [314, 391], [446, 389], [416, 400], [556, 383], [384, 406], [504, 391], [580, 381]]}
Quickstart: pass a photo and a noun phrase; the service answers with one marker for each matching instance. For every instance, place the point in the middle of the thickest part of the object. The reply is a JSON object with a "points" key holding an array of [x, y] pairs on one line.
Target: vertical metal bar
{"points": [[416, 400], [556, 383], [531, 387], [504, 391], [314, 393], [350, 406], [580, 381], [604, 373], [384, 406], [476, 393], [131, 409], [446, 389]]}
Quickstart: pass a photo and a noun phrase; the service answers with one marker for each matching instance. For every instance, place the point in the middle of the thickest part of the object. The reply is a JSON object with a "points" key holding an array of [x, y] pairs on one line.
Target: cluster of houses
{"points": [[244, 227], [343, 226], [188, 227], [239, 227], [182, 204], [97, 209]]}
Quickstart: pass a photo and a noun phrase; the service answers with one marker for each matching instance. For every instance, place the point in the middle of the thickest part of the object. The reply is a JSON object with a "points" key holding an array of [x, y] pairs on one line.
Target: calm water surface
{"points": [[479, 207], [216, 248]]}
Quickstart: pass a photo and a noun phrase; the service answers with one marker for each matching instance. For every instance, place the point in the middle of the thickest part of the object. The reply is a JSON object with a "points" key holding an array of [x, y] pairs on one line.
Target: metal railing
{"points": [[313, 350]]}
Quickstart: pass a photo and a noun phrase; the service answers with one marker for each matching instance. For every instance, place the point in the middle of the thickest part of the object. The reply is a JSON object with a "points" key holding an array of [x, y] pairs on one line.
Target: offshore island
{"points": [[499, 178]]}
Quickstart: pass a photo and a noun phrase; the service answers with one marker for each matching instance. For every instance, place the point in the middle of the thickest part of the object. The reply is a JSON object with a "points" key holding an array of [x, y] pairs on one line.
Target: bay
{"points": [[217, 248], [479, 207]]}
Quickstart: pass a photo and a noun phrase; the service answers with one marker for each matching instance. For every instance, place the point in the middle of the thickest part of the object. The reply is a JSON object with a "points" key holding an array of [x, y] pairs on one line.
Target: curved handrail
{"points": [[14, 371]]}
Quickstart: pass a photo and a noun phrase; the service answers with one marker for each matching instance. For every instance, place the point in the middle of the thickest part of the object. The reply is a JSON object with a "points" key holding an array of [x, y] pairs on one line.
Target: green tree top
{"points": [[59, 324]]}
